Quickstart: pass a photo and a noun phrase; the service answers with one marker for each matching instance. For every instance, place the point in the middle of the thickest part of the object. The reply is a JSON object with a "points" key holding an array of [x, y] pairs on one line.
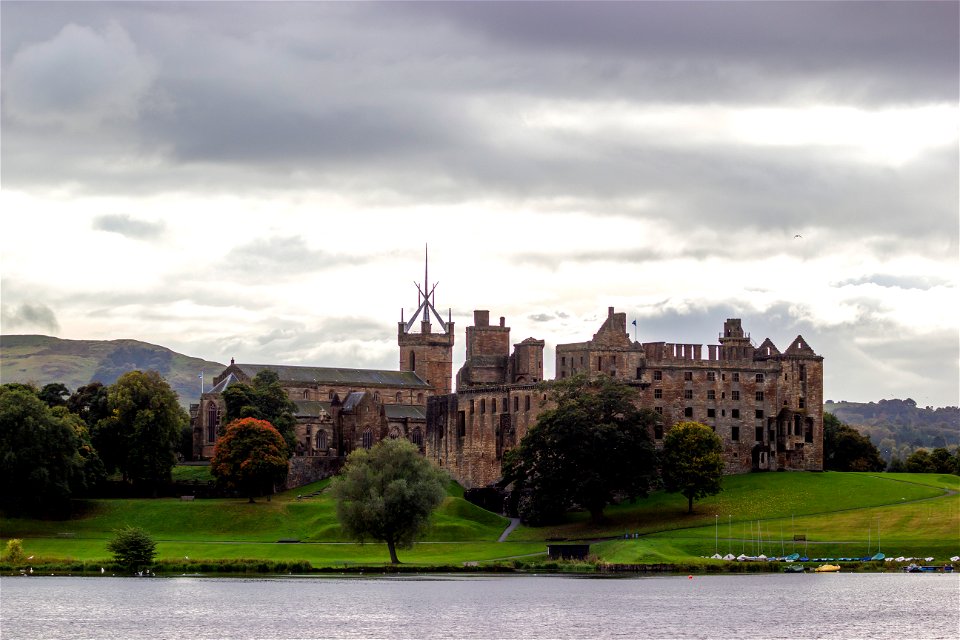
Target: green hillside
{"points": [[43, 359], [838, 514]]}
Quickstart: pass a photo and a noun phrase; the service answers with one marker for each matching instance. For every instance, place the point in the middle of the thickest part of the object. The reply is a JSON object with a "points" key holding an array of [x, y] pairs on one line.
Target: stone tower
{"points": [[428, 354]]}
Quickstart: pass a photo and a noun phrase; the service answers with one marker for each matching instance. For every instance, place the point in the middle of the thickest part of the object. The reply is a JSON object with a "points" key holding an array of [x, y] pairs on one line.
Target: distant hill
{"points": [[42, 359], [897, 427]]}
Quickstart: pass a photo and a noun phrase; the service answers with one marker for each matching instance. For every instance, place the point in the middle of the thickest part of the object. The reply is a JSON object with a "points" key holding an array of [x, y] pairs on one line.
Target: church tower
{"points": [[428, 354]]}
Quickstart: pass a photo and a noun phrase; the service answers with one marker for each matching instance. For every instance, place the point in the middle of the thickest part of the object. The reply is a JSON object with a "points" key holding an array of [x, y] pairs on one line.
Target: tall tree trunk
{"points": [[392, 548], [689, 504]]}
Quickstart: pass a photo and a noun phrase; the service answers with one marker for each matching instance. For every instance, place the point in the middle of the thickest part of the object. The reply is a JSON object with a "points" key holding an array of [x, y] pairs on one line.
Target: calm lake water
{"points": [[902, 606]]}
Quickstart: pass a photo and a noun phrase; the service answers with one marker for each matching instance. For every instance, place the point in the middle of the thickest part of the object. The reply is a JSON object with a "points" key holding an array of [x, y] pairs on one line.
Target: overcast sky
{"points": [[258, 181]]}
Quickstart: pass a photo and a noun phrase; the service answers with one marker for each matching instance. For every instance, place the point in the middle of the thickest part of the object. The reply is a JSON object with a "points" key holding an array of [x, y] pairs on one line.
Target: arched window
{"points": [[376, 396], [322, 440], [367, 438], [306, 394], [413, 361], [417, 437], [419, 397], [330, 394], [399, 397], [213, 421]]}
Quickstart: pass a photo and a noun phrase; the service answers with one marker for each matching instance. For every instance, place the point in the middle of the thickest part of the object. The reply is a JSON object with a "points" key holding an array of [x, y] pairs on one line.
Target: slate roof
{"points": [[336, 375], [311, 408], [404, 411], [223, 384], [353, 399]]}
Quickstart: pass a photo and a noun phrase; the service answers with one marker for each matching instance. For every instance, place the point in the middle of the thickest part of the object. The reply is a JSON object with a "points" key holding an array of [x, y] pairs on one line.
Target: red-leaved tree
{"points": [[251, 457]]}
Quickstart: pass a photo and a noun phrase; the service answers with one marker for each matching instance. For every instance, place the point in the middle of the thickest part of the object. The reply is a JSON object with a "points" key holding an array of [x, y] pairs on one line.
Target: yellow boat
{"points": [[827, 568]]}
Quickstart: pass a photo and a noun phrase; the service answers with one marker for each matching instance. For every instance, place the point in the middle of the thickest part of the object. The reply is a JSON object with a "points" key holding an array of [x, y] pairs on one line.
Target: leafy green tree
{"points": [[91, 403], [263, 399], [143, 428], [846, 449], [387, 493], [591, 448], [920, 462], [942, 460], [250, 457], [692, 461], [54, 394], [132, 548], [40, 463]]}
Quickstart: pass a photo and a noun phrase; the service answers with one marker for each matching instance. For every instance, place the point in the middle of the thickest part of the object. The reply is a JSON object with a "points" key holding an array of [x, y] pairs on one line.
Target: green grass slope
{"points": [[43, 359], [840, 514]]}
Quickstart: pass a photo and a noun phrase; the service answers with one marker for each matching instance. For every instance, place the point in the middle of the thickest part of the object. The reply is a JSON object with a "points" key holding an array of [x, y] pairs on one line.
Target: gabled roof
{"points": [[311, 408], [799, 347], [337, 375], [767, 349], [404, 411], [223, 384], [353, 399]]}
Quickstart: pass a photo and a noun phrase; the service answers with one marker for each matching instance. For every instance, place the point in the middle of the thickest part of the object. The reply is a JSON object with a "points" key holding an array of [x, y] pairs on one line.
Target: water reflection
{"points": [[450, 606]]}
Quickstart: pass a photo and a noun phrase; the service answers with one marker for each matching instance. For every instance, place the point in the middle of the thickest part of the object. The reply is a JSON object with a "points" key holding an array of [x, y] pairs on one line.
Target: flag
{"points": [[634, 323]]}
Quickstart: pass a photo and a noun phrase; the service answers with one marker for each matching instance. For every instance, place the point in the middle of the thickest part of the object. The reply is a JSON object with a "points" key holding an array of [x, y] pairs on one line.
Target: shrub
{"points": [[132, 548], [14, 553]]}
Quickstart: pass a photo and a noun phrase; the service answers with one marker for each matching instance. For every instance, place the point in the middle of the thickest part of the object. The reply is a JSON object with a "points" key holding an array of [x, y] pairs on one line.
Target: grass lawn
{"points": [[191, 473], [839, 513]]}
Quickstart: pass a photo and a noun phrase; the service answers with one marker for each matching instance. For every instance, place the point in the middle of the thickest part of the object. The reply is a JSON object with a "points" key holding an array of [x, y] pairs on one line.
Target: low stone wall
{"points": [[306, 469]]}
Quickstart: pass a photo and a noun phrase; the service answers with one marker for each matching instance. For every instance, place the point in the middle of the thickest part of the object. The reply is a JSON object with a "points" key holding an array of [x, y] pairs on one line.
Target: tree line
{"points": [[56, 445]]}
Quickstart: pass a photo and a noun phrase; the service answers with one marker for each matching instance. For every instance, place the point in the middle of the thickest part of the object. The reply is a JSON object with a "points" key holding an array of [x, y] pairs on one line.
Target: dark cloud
{"points": [[127, 226], [30, 316]]}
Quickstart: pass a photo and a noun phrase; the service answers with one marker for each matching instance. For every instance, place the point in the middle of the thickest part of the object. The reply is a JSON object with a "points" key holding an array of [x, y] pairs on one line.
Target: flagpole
{"points": [[201, 381]]}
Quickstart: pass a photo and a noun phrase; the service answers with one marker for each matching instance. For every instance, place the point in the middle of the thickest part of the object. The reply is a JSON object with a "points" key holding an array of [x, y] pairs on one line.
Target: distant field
{"points": [[840, 514]]}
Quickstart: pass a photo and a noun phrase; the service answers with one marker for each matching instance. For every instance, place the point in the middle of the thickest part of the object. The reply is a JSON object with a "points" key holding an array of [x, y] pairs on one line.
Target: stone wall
{"points": [[306, 469]]}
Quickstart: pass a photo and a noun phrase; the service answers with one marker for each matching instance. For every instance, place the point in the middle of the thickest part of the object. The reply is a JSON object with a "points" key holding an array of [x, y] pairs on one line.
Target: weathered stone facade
{"points": [[338, 410], [766, 406]]}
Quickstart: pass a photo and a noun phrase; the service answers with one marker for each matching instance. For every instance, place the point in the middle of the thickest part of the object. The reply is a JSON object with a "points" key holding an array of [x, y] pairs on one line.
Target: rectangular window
{"points": [[493, 406], [599, 362], [658, 428], [461, 425], [758, 434], [688, 394], [803, 372], [711, 394], [658, 375], [808, 431], [483, 405], [639, 372], [526, 403], [711, 413], [735, 414], [759, 395], [658, 410], [758, 414], [711, 376], [801, 403], [736, 377], [471, 407], [563, 360], [723, 413], [658, 393], [516, 403], [759, 377], [735, 434], [688, 412], [735, 395], [688, 376]]}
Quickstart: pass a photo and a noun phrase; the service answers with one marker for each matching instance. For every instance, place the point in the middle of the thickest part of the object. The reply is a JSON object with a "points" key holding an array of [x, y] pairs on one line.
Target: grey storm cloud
{"points": [[30, 316], [128, 226], [424, 102]]}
